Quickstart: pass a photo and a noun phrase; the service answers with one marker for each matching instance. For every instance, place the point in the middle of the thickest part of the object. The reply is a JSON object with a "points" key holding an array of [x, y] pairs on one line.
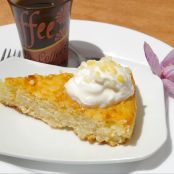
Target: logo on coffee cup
{"points": [[45, 38]]}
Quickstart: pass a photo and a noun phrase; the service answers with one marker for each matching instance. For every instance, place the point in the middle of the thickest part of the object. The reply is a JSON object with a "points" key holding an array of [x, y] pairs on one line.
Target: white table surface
{"points": [[160, 162]]}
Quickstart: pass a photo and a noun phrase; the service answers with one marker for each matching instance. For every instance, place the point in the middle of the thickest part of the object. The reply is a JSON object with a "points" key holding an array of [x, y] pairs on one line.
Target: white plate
{"points": [[25, 137]]}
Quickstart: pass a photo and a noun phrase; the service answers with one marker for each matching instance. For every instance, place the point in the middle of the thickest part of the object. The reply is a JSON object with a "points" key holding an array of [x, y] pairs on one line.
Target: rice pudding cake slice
{"points": [[47, 98]]}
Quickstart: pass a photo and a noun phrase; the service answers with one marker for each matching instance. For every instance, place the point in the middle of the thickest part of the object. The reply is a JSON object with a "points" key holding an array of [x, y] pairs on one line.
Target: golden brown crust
{"points": [[51, 88]]}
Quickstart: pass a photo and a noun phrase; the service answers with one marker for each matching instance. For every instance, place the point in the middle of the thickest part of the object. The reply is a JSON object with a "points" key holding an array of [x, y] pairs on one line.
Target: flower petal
{"points": [[152, 59], [168, 60], [169, 86], [168, 73]]}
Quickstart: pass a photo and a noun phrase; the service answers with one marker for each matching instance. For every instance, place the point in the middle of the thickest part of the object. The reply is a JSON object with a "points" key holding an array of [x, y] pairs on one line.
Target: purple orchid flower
{"points": [[164, 70]]}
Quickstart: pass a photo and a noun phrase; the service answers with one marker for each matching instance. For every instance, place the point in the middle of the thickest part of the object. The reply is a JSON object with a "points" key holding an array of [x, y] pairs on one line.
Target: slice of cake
{"points": [[97, 102]]}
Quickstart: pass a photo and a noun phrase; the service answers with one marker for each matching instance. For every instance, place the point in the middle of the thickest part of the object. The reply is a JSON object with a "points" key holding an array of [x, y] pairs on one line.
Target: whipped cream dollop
{"points": [[100, 83]]}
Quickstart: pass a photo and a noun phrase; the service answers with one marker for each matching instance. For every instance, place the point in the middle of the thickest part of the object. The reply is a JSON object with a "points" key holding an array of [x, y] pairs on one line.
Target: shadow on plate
{"points": [[85, 49], [139, 120]]}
